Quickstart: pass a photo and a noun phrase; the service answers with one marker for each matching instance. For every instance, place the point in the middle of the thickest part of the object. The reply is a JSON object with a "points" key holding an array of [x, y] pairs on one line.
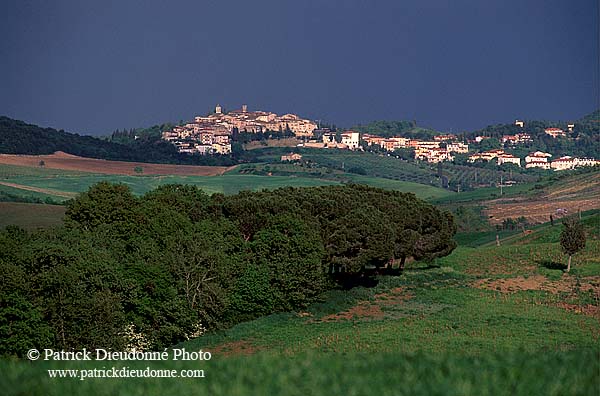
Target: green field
{"points": [[13, 194], [30, 216], [482, 321], [230, 183], [390, 167], [423, 191]]}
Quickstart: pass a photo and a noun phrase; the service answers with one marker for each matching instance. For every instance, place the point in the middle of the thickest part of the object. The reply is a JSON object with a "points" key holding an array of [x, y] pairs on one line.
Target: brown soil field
{"points": [[61, 160], [539, 282], [370, 310], [241, 347], [538, 211], [567, 286], [561, 199]]}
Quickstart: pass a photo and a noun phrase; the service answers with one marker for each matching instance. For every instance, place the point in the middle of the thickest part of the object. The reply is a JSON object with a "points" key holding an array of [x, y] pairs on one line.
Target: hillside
{"points": [[584, 141], [488, 321], [18, 137]]}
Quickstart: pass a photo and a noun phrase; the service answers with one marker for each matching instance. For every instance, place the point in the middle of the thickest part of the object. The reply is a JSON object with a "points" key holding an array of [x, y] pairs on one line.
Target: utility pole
{"points": [[501, 184]]}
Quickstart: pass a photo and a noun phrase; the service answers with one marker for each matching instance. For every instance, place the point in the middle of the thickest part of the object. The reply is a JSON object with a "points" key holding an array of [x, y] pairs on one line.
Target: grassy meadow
{"points": [[230, 183], [485, 320], [30, 216]]}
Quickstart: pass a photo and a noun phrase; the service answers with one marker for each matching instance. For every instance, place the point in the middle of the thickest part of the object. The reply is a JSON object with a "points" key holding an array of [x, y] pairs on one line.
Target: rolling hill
{"points": [[18, 137]]}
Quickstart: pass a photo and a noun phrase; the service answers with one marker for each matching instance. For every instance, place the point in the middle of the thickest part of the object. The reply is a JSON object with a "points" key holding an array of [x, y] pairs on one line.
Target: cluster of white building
{"points": [[537, 159], [212, 134], [430, 151], [499, 155], [542, 160]]}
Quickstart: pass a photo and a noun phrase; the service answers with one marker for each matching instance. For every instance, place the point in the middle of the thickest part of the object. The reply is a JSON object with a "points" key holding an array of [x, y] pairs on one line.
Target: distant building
{"points": [[516, 139], [434, 155], [519, 123], [221, 148], [291, 157], [586, 162], [567, 162], [351, 139], [459, 147], [329, 139], [486, 155], [215, 129], [555, 132], [537, 156], [563, 163], [506, 158], [537, 164], [442, 138]]}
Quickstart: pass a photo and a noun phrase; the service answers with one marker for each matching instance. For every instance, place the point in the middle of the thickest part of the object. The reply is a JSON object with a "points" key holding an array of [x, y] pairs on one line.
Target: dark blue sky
{"points": [[92, 67]]}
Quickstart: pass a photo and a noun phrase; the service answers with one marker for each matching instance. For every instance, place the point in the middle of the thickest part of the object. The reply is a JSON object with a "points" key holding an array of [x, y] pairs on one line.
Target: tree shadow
{"points": [[553, 265], [348, 282], [426, 268]]}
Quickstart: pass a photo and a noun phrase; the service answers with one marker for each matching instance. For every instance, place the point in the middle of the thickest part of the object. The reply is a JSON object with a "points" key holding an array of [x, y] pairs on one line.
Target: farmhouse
{"points": [[516, 139], [433, 155], [555, 132], [291, 157], [567, 162], [459, 147], [506, 158], [443, 138], [537, 156], [537, 164], [486, 155], [351, 139]]}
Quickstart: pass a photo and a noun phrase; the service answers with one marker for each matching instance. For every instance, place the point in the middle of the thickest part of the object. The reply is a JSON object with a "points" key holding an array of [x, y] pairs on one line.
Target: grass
{"points": [[542, 233], [230, 183], [435, 329], [9, 193], [432, 330], [226, 184], [487, 193], [7, 171], [30, 216], [388, 166], [516, 373], [302, 170]]}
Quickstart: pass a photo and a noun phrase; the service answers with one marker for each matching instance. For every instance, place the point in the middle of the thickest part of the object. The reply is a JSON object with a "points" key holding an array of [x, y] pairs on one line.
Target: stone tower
{"points": [[218, 109]]}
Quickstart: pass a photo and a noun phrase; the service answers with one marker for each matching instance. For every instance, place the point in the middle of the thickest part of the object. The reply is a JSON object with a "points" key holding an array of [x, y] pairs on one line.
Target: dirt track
{"points": [[41, 190], [60, 160]]}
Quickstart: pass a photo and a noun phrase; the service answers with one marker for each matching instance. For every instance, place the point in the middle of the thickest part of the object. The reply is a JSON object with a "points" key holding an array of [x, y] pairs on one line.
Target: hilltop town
{"points": [[213, 134]]}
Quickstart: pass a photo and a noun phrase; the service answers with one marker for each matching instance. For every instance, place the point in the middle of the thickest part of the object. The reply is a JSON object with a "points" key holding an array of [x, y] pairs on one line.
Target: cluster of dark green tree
{"points": [[153, 268], [17, 137], [246, 137]]}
